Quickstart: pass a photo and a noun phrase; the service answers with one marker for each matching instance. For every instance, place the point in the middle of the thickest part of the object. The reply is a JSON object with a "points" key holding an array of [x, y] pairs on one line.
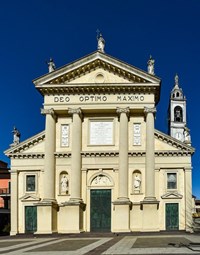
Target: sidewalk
{"points": [[101, 243]]}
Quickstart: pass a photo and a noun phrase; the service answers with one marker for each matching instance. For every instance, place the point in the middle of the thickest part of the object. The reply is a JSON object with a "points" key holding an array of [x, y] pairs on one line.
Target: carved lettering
{"points": [[98, 98]]}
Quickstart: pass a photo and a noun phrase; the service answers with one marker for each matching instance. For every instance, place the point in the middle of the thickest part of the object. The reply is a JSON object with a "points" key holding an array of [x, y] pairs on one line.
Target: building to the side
{"points": [[4, 197], [100, 165]]}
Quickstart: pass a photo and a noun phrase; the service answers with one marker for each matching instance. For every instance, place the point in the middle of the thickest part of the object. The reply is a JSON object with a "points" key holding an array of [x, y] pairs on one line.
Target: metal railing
{"points": [[4, 191]]}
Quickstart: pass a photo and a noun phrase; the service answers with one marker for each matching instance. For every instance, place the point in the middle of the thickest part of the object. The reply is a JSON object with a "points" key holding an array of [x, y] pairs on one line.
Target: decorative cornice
{"points": [[29, 197], [27, 155], [62, 154], [172, 153], [58, 81], [88, 154], [174, 142], [106, 88], [172, 195], [137, 153], [26, 145]]}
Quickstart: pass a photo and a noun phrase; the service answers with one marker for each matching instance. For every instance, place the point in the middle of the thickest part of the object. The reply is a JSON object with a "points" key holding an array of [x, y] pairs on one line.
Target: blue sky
{"points": [[33, 31]]}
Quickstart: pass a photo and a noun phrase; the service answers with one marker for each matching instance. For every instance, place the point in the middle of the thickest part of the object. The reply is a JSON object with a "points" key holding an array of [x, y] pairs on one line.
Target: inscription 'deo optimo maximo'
{"points": [[101, 132], [99, 98]]}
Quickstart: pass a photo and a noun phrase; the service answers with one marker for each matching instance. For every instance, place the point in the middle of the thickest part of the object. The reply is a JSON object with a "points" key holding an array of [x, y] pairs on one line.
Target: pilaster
{"points": [[14, 203], [76, 163], [123, 153], [49, 161], [188, 199], [47, 208], [122, 204], [71, 212], [150, 155], [149, 206]]}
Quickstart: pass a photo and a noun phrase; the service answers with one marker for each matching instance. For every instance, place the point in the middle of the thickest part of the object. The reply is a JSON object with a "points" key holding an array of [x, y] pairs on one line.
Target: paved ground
{"points": [[88, 244]]}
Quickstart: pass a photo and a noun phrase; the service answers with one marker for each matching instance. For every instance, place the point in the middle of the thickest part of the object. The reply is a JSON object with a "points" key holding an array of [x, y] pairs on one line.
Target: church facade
{"points": [[100, 164]]}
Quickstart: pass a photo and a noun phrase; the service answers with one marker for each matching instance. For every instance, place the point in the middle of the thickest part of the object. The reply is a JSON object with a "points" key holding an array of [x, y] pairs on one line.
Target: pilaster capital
{"points": [[149, 110], [123, 110], [48, 111], [78, 111], [188, 169]]}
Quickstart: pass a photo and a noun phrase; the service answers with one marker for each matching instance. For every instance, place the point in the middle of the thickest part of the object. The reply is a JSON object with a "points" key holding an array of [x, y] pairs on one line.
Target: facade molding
{"points": [[26, 144], [173, 142]]}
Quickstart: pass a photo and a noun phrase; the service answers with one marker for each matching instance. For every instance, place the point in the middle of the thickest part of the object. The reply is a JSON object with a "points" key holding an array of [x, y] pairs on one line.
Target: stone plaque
{"points": [[101, 132], [137, 134], [64, 135]]}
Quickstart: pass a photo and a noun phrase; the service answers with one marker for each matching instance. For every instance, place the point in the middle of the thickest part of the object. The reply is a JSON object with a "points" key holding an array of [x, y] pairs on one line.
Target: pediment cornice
{"points": [[58, 81], [185, 148], [92, 62], [172, 195], [21, 147], [29, 197]]}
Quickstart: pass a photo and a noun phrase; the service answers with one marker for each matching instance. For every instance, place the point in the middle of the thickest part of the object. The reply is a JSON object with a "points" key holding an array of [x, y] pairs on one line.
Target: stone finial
{"points": [[51, 65], [150, 65], [101, 42]]}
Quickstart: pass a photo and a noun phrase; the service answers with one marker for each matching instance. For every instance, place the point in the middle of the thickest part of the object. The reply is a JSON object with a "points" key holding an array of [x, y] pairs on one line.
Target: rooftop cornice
{"points": [[72, 89]]}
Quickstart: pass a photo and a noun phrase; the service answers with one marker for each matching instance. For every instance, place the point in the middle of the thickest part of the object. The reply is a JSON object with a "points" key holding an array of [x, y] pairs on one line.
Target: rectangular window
{"points": [[171, 181], [101, 132], [30, 183], [64, 135], [136, 134]]}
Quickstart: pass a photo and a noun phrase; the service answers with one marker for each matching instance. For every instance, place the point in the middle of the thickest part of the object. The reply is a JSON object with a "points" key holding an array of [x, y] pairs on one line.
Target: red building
{"points": [[4, 196]]}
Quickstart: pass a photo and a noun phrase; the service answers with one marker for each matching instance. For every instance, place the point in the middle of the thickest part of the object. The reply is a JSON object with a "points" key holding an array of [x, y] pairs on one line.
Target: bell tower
{"points": [[177, 124]]}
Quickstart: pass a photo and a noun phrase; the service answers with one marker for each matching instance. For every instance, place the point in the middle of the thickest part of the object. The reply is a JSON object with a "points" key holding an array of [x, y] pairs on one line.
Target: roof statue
{"points": [[51, 65], [16, 136], [101, 42], [176, 81], [187, 137], [150, 64]]}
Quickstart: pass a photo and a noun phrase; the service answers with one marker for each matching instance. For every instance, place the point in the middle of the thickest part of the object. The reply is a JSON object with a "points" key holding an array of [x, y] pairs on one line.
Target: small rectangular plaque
{"points": [[101, 132], [137, 134], [64, 135]]}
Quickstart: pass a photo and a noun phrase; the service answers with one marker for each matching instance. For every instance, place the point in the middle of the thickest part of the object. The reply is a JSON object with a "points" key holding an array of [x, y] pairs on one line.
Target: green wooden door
{"points": [[30, 219], [172, 219], [100, 210]]}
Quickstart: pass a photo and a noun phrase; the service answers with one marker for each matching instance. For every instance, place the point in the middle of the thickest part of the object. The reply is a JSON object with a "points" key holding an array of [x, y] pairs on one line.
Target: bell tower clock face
{"points": [[178, 135]]}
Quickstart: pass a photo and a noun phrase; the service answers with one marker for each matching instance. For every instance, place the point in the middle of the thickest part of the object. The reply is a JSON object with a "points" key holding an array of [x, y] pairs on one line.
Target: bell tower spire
{"points": [[177, 123]]}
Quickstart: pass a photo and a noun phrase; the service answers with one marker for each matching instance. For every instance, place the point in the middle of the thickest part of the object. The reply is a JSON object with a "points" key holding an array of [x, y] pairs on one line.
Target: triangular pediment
{"points": [[29, 197], [172, 195], [32, 147], [169, 145], [97, 69]]}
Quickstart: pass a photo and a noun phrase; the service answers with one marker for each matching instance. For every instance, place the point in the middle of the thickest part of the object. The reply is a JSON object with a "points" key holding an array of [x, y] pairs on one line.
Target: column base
{"points": [[13, 233], [150, 217], [121, 215], [70, 219], [46, 217]]}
